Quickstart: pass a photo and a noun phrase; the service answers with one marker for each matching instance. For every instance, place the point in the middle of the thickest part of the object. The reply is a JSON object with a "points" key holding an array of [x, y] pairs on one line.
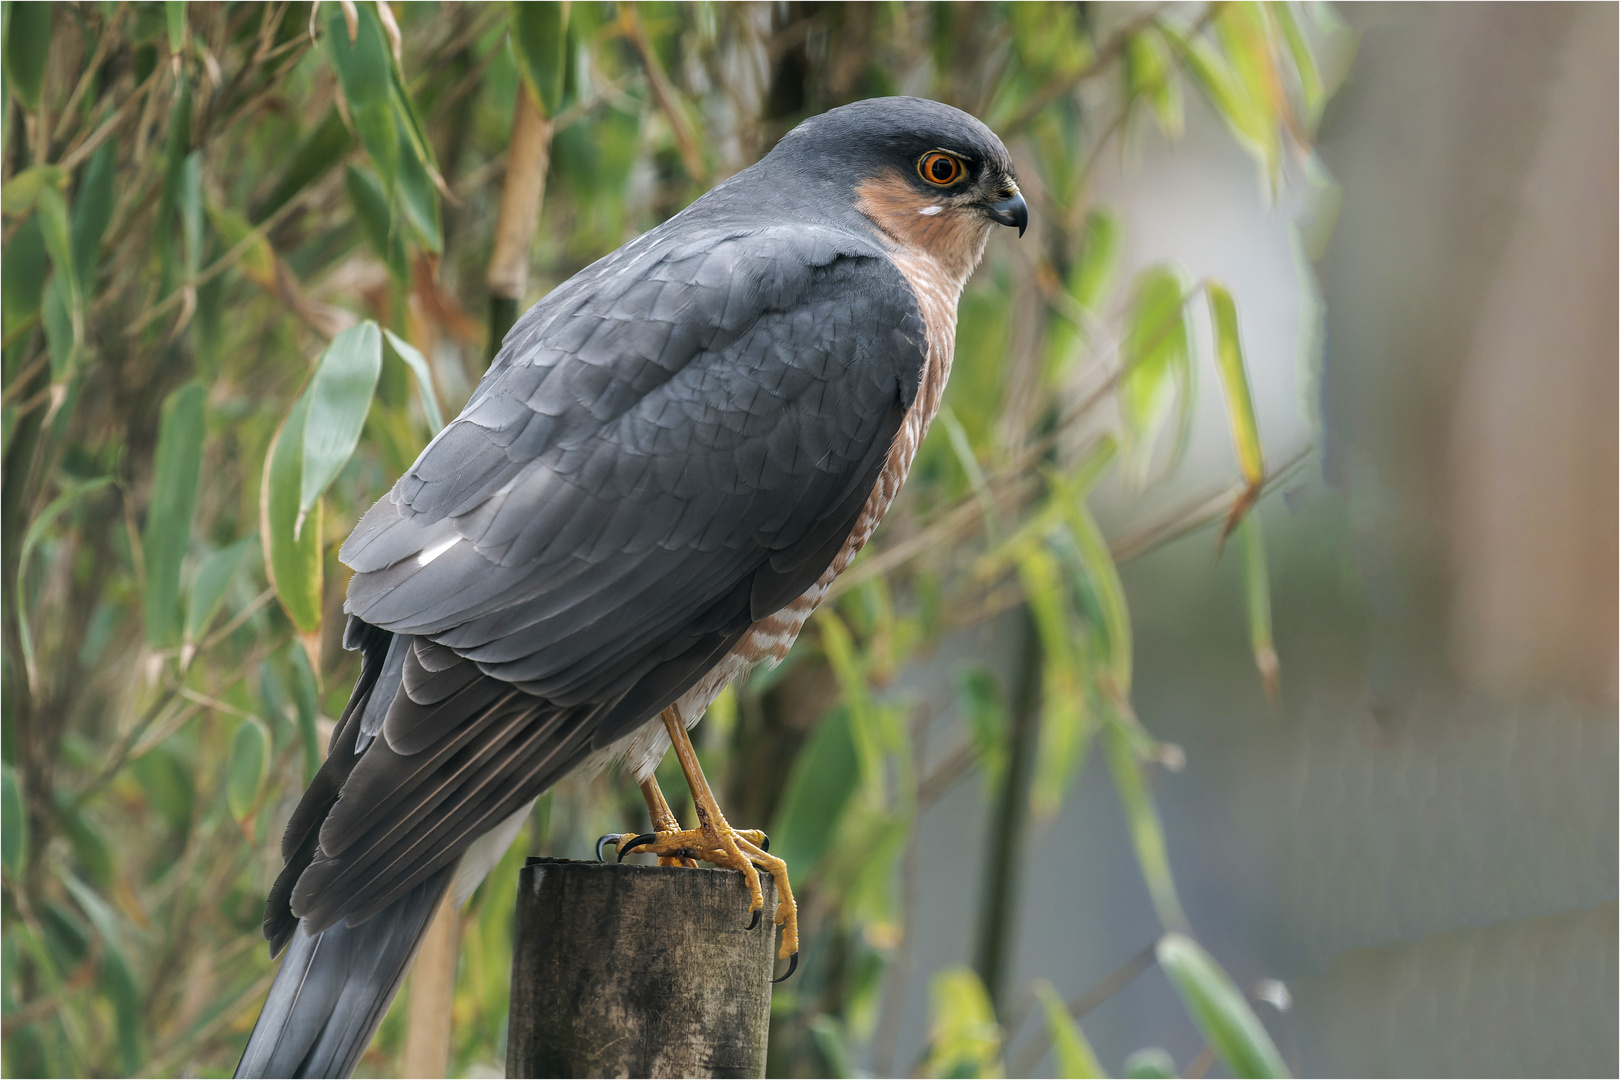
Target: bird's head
{"points": [[932, 178]]}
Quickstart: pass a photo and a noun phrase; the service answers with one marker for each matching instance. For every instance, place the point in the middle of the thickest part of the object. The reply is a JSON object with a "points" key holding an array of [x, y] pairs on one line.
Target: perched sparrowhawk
{"points": [[674, 454]]}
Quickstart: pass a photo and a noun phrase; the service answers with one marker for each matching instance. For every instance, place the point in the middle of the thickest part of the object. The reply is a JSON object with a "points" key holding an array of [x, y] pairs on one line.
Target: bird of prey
{"points": [[673, 455]]}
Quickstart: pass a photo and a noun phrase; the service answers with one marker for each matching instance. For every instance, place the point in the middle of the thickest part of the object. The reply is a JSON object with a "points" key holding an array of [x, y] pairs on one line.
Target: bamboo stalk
{"points": [[433, 988], [1004, 852], [519, 215]]}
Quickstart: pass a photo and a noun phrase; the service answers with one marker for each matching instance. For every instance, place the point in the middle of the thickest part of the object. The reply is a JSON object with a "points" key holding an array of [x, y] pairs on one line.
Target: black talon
{"points": [[643, 838], [602, 842], [765, 843], [755, 920], [793, 965]]}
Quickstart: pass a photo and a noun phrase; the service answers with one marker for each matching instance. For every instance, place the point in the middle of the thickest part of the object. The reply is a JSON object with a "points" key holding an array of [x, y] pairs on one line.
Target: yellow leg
{"points": [[664, 822], [714, 841]]}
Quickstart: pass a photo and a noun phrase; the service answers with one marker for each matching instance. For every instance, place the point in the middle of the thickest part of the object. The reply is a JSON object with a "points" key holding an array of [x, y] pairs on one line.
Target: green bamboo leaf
{"points": [[172, 196], [71, 493], [1257, 597], [824, 777], [214, 576], [1246, 34], [1151, 1063], [169, 785], [417, 194], [964, 1039], [92, 210], [90, 846], [28, 44], [339, 397], [191, 211], [306, 695], [23, 270], [1313, 96], [58, 320], [1103, 573], [1152, 76], [970, 465], [56, 225], [40, 952], [1235, 381], [1157, 359], [258, 260], [1070, 1047], [1239, 405], [20, 194], [540, 42], [175, 14], [839, 648], [1244, 31], [273, 703], [1065, 725], [1092, 274], [62, 938], [13, 823], [1247, 119], [363, 68], [405, 111], [249, 765], [1142, 818], [167, 534], [376, 220], [419, 176], [292, 561], [424, 378], [1218, 1008], [117, 981]]}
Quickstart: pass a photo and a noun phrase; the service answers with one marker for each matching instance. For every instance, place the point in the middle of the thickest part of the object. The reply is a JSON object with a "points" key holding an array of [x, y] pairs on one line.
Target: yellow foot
{"points": [[714, 841], [747, 850]]}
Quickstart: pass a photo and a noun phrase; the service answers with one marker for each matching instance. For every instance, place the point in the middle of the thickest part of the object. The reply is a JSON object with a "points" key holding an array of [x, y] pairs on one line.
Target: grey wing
{"points": [[661, 456], [651, 464]]}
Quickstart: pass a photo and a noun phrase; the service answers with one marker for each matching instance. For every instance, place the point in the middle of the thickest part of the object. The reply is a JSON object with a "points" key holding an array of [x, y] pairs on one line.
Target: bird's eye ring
{"points": [[939, 168]]}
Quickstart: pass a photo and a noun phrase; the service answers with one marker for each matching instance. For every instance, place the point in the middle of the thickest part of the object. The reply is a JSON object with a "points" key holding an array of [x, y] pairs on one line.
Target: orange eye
{"points": [[939, 169]]}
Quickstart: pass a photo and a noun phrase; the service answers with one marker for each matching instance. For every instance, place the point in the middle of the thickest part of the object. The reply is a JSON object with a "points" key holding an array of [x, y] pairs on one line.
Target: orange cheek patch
{"points": [[918, 220]]}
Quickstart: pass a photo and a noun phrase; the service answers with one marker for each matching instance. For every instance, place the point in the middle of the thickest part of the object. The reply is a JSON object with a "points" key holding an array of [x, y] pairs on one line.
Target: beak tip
{"points": [[1013, 211]]}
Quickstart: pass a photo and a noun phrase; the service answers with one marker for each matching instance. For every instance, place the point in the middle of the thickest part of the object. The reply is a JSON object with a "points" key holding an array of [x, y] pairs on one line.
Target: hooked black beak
{"points": [[1011, 212]]}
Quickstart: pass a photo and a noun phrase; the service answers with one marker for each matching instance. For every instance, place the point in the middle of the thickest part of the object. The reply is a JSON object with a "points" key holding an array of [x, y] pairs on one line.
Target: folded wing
{"points": [[670, 447]]}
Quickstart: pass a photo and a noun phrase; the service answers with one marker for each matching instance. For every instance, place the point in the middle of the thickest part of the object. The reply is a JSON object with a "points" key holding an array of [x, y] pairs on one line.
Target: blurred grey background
{"points": [[1422, 843]]}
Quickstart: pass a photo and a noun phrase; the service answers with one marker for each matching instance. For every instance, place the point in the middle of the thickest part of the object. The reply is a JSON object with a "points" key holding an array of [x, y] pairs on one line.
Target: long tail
{"points": [[334, 987]]}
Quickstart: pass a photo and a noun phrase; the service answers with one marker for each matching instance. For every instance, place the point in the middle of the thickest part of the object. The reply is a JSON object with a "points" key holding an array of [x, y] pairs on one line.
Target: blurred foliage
{"points": [[215, 217]]}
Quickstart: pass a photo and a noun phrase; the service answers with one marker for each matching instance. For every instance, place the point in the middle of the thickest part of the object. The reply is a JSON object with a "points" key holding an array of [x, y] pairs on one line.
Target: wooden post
{"points": [[625, 970]]}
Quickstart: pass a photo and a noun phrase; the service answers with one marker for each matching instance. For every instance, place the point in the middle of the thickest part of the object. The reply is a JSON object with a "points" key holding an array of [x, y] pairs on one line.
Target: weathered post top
{"points": [[624, 970]]}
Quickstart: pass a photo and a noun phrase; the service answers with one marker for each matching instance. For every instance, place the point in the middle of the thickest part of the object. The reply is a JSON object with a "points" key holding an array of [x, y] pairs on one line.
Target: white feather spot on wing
{"points": [[930, 211], [436, 550]]}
